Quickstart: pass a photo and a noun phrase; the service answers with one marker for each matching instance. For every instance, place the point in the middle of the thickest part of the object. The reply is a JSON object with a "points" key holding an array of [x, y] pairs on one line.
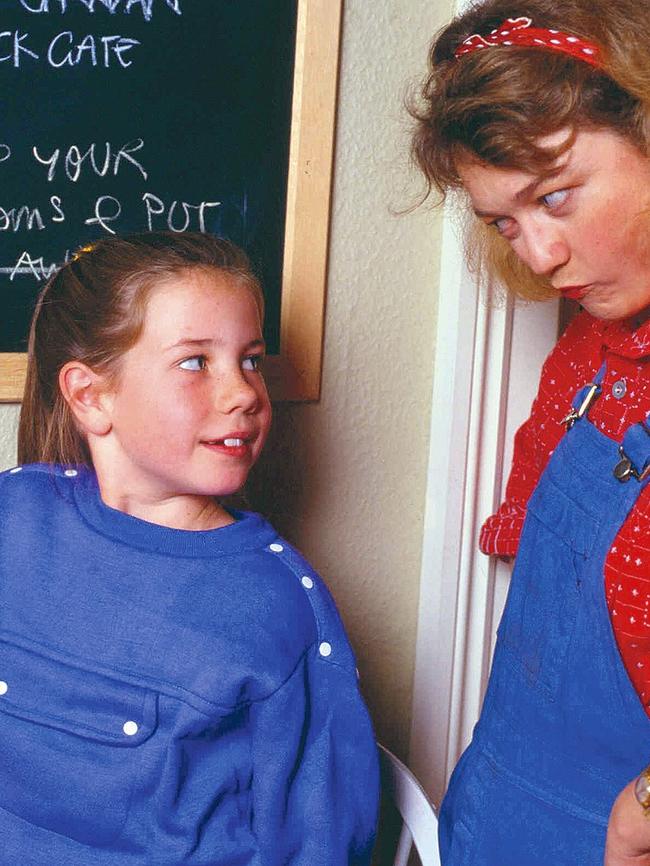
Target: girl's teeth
{"points": [[233, 443]]}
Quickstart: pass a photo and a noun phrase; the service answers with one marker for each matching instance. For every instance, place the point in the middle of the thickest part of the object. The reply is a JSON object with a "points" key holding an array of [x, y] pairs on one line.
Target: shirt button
{"points": [[307, 582], [619, 388], [325, 649], [130, 728], [4, 688], [276, 548], [70, 473]]}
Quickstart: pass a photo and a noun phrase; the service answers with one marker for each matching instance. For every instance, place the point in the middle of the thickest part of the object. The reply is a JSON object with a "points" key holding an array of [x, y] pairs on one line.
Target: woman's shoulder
{"points": [[582, 338], [576, 356]]}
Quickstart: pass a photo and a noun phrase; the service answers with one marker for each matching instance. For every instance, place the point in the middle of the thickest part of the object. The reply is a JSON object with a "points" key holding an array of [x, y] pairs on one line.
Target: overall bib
{"points": [[562, 729]]}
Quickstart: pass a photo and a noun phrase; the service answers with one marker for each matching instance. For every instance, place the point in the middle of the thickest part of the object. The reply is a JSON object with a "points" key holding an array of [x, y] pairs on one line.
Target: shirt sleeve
{"points": [[566, 369], [315, 769]]}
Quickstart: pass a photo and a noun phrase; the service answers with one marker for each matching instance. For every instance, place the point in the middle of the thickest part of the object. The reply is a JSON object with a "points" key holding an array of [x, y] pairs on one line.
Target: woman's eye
{"points": [[555, 199], [195, 364], [505, 226], [252, 362]]}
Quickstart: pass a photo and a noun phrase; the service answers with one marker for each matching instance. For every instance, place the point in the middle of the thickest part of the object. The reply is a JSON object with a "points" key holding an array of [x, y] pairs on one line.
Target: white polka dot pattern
{"points": [[520, 33]]}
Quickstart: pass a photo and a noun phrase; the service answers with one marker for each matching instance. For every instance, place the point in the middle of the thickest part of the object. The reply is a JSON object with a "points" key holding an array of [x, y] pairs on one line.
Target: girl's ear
{"points": [[86, 393]]}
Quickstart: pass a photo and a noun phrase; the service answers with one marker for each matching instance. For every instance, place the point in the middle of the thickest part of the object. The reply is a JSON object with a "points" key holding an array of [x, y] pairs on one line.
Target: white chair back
{"points": [[420, 823]]}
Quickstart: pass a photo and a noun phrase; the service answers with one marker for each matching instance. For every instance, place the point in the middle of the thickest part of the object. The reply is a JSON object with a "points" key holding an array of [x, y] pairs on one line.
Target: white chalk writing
{"points": [[112, 6], [99, 158]]}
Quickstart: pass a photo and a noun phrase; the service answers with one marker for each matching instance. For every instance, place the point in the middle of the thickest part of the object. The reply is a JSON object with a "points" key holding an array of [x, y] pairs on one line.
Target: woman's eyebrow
{"points": [[528, 190]]}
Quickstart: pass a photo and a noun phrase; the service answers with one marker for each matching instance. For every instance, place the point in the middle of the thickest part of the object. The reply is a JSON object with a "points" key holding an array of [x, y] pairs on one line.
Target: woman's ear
{"points": [[87, 394]]}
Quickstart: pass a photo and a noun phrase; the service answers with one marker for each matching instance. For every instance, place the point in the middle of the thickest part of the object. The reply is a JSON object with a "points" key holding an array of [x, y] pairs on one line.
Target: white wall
{"points": [[8, 428], [346, 480]]}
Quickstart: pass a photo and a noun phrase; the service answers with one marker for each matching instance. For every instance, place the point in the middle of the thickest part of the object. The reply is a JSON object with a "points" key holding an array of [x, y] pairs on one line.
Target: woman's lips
{"points": [[575, 293]]}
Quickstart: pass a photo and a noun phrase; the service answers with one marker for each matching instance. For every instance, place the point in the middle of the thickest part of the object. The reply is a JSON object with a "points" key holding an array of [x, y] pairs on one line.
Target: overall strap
{"points": [[584, 398], [635, 448]]}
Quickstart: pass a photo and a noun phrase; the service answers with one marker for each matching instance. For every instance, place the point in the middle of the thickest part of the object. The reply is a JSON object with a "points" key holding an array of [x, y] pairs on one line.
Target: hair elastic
{"points": [[519, 33]]}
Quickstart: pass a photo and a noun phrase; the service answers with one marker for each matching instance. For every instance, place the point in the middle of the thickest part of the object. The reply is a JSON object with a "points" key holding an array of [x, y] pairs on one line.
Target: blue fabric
{"points": [[248, 742], [562, 729]]}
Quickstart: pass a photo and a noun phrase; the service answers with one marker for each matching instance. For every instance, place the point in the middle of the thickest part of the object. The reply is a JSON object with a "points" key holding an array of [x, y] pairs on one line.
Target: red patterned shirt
{"points": [[624, 400]]}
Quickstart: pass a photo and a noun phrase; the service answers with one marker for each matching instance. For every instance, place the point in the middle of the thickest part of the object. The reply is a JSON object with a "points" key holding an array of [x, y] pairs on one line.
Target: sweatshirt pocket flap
{"points": [[60, 695]]}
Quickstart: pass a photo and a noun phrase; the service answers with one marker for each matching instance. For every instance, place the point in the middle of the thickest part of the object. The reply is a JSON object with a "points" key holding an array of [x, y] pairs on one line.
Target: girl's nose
{"points": [[235, 392], [545, 250]]}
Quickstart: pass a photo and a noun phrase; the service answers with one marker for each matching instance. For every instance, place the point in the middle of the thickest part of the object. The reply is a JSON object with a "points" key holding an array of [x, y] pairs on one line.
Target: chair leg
{"points": [[403, 847]]}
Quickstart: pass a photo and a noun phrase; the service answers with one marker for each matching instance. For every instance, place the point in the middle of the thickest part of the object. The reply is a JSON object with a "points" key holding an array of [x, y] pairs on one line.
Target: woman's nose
{"points": [[545, 249]]}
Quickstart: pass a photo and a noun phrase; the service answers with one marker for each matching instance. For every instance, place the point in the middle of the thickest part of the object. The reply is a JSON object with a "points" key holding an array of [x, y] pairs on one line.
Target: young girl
{"points": [[540, 112], [177, 687]]}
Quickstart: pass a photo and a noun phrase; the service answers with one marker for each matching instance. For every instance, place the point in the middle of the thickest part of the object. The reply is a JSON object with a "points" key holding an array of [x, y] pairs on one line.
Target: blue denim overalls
{"points": [[562, 729]]}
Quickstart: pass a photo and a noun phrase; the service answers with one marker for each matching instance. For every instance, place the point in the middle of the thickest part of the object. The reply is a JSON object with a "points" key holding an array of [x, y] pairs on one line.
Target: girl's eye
{"points": [[555, 199], [195, 364], [252, 362]]}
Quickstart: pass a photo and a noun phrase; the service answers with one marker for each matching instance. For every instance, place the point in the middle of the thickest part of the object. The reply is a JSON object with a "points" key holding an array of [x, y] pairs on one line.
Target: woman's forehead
{"points": [[585, 148], [552, 148], [587, 153]]}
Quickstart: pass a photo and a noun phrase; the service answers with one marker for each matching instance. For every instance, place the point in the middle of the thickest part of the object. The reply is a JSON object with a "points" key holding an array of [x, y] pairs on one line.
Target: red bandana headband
{"points": [[520, 33]]}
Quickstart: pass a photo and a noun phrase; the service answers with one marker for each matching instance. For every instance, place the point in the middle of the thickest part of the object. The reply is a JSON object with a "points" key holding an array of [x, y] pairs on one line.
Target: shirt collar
{"points": [[624, 339]]}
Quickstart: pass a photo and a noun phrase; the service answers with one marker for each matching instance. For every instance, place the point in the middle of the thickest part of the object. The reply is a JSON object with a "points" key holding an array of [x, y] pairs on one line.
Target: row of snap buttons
{"points": [[324, 648], [69, 473]]}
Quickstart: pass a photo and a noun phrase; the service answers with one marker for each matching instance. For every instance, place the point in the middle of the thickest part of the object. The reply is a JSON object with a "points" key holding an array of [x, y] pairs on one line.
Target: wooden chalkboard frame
{"points": [[295, 373]]}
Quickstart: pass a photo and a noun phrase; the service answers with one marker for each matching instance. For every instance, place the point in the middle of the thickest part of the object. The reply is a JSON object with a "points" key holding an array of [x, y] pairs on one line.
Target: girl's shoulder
{"points": [[273, 579], [33, 481]]}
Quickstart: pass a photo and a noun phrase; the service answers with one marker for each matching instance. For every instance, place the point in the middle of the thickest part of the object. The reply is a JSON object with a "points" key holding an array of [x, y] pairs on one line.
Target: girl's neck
{"points": [[194, 513]]}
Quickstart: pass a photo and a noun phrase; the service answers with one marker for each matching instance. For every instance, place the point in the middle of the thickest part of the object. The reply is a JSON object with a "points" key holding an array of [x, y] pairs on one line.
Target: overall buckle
{"points": [[575, 414], [625, 469]]}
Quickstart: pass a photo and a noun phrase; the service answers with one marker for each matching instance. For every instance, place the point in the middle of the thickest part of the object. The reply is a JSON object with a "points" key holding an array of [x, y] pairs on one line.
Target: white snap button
{"points": [[619, 388], [70, 473], [4, 688], [276, 548], [16, 469], [325, 649], [130, 728], [307, 582]]}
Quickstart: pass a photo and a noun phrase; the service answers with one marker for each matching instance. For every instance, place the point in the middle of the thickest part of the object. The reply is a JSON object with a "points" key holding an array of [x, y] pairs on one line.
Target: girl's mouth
{"points": [[233, 446]]}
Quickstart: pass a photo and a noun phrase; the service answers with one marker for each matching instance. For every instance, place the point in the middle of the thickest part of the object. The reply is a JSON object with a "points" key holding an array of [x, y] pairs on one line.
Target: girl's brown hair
{"points": [[495, 105], [92, 310]]}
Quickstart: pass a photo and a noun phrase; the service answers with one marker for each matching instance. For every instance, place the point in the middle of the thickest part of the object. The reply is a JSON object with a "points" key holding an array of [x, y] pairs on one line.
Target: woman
{"points": [[539, 112]]}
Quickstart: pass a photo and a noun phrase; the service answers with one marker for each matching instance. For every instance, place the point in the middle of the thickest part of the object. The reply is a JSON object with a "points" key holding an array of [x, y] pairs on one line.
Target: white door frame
{"points": [[487, 361]]}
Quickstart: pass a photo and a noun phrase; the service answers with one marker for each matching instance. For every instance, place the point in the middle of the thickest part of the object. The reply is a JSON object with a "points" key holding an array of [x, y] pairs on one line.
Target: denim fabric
{"points": [[171, 697], [562, 729]]}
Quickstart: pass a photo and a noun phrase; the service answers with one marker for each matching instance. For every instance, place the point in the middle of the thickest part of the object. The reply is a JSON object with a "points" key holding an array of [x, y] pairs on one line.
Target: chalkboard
{"points": [[131, 115]]}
